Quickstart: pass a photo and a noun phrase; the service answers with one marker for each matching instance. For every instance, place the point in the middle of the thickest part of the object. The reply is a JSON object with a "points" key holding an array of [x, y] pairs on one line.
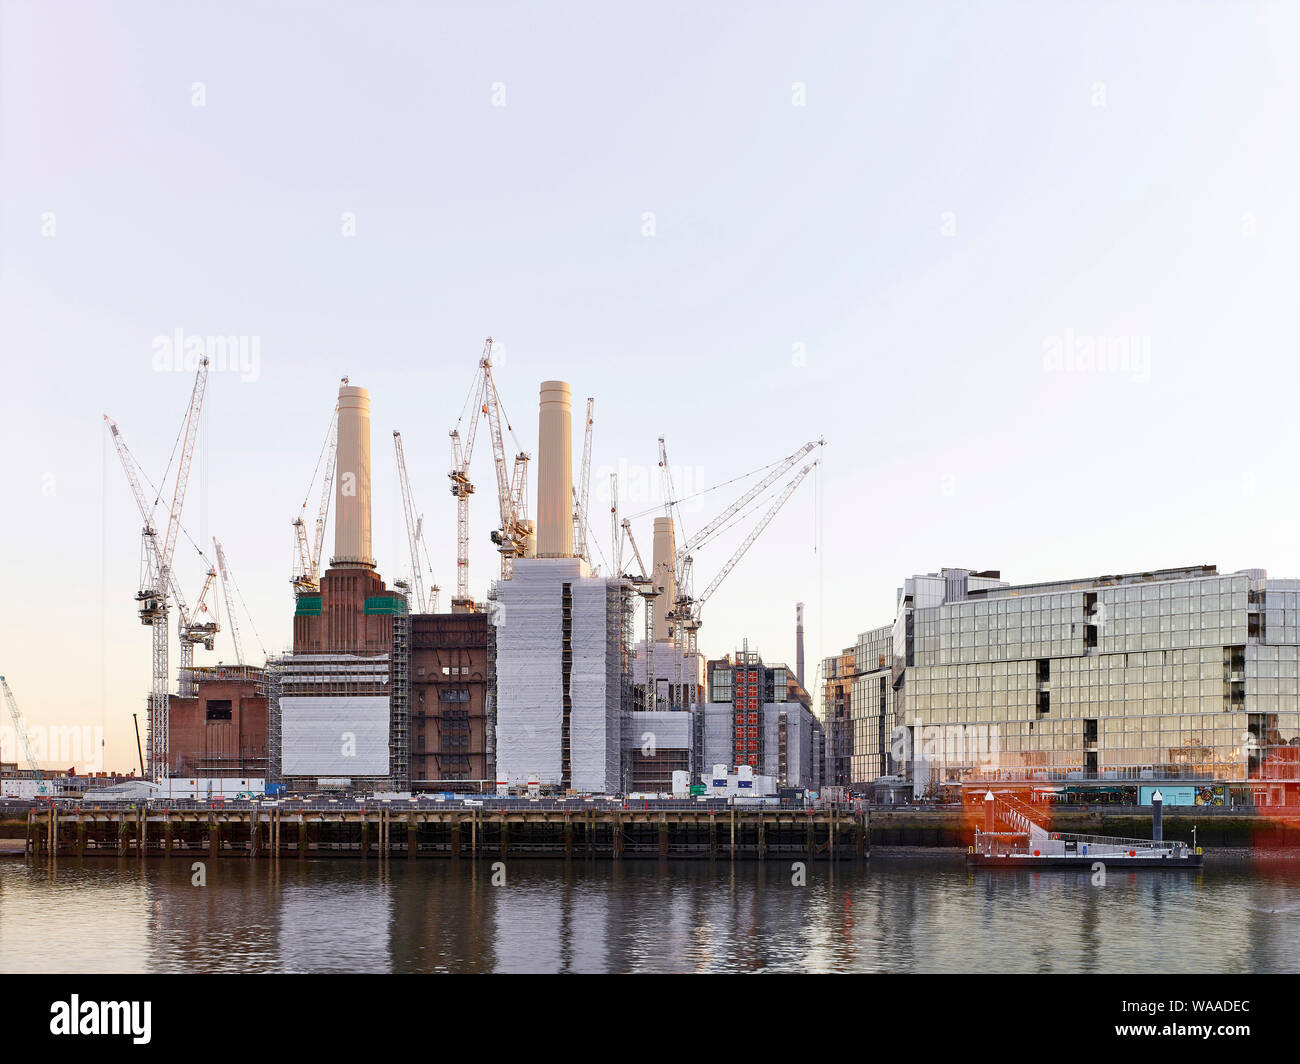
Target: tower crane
{"points": [[307, 555], [193, 632], [718, 523], [230, 602], [582, 493], [649, 591], [414, 530], [461, 485], [227, 582], [190, 630], [687, 608], [616, 540], [515, 536], [156, 569], [20, 736]]}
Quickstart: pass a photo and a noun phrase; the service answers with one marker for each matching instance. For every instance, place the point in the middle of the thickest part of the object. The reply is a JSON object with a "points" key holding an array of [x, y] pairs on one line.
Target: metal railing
{"points": [[1062, 844]]}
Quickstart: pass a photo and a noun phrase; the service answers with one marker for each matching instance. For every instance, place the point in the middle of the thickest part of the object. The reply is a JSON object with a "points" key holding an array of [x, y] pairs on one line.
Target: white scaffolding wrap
{"points": [[533, 617], [334, 735], [594, 721]]}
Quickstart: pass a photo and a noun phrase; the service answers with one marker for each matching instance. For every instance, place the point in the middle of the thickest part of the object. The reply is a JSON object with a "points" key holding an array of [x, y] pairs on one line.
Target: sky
{"points": [[1028, 268]]}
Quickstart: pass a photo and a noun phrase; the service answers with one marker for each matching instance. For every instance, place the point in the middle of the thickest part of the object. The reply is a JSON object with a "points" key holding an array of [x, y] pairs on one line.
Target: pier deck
{"points": [[276, 833]]}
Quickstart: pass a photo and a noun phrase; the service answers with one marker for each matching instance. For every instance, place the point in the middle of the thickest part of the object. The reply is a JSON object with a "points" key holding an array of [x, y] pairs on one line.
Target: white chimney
{"points": [[352, 545], [663, 575], [555, 473]]}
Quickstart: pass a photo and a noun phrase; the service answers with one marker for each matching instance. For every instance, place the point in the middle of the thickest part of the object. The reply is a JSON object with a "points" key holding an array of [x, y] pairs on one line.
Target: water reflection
{"points": [[891, 915]]}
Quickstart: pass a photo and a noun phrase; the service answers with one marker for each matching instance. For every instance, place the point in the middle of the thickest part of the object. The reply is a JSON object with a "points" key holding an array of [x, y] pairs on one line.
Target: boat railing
{"points": [[1060, 843]]}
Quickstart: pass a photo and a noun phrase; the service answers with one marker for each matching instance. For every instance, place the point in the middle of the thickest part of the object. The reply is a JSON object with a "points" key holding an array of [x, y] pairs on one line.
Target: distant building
{"points": [[759, 716], [1171, 674]]}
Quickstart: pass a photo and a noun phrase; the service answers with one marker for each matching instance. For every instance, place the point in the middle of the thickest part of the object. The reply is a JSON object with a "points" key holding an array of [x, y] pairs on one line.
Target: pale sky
{"points": [[900, 226]]}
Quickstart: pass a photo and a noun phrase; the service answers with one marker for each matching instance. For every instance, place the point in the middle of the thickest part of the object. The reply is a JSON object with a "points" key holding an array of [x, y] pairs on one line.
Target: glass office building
{"points": [[1173, 674]]}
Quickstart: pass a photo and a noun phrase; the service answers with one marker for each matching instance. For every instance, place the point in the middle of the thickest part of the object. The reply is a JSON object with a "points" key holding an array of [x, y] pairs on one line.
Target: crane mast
{"points": [[414, 528], [307, 558], [230, 602], [616, 540], [461, 485], [156, 575], [645, 587], [20, 736], [582, 493], [192, 632], [514, 536], [689, 609]]}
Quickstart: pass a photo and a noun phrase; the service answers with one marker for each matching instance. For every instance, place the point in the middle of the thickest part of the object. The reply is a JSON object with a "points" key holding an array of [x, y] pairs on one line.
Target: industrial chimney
{"points": [[663, 575], [555, 473], [352, 546], [798, 643]]}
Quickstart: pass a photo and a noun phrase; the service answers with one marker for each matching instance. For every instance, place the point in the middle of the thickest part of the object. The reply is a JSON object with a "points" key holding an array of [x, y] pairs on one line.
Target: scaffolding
{"points": [[400, 705], [271, 686], [337, 678], [490, 691]]}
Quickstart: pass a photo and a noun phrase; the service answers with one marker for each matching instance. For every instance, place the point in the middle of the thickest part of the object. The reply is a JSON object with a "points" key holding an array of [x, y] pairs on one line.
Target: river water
{"points": [[889, 914]]}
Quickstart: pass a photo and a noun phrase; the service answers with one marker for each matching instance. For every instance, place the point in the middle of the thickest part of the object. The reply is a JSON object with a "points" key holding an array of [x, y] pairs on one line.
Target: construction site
{"points": [[577, 671]]}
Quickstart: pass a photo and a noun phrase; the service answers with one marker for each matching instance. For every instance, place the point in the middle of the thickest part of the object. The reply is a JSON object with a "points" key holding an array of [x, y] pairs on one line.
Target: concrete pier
{"points": [[258, 833]]}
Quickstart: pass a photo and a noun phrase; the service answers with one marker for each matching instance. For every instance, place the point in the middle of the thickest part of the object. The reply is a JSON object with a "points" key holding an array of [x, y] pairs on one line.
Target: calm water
{"points": [[903, 914]]}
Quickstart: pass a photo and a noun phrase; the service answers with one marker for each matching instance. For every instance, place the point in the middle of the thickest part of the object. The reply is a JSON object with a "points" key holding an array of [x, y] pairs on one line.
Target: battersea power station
{"points": [[543, 686]]}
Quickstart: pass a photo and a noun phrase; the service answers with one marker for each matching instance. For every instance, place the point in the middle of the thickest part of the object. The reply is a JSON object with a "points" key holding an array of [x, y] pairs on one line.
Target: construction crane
{"points": [[190, 629], [462, 450], [307, 555], [193, 631], [616, 540], [156, 564], [706, 533], [227, 582], [649, 591], [414, 530], [20, 735], [582, 492], [230, 602], [687, 608], [514, 538]]}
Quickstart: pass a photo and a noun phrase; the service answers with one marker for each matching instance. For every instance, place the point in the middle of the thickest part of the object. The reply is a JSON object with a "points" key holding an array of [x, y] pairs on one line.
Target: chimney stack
{"points": [[664, 575], [555, 473], [798, 643], [352, 547]]}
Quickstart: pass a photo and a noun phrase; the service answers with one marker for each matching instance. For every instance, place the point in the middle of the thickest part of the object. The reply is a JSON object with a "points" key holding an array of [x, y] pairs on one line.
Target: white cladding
{"points": [[334, 735]]}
